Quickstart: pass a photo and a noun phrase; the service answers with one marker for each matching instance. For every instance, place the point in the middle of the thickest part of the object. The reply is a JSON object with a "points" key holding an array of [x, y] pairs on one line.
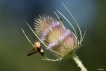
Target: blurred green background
{"points": [[90, 14]]}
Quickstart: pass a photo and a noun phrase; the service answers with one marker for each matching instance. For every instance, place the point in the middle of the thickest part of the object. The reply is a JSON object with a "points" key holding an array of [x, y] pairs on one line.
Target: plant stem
{"points": [[78, 62]]}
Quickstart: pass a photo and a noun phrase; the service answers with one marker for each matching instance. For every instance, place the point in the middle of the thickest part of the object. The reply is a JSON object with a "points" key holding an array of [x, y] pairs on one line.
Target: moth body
{"points": [[36, 48]]}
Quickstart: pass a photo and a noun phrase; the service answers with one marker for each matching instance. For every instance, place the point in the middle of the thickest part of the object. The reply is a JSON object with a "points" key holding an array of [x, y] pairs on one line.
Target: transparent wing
{"points": [[32, 52]]}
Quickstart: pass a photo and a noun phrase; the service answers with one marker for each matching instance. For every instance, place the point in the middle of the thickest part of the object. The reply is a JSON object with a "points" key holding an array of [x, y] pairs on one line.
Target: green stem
{"points": [[78, 62]]}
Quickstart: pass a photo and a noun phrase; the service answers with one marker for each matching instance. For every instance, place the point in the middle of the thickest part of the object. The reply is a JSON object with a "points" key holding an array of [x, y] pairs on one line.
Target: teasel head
{"points": [[60, 41], [55, 36], [57, 39]]}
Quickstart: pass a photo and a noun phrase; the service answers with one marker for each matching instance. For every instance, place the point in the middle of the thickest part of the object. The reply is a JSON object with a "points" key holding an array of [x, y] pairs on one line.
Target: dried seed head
{"points": [[53, 33]]}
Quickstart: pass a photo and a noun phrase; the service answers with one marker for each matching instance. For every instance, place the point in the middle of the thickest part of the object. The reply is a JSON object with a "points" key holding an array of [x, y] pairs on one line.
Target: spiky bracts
{"points": [[55, 35]]}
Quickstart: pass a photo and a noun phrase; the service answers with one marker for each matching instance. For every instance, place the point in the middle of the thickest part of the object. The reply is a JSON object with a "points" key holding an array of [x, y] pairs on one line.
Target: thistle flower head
{"points": [[55, 35]]}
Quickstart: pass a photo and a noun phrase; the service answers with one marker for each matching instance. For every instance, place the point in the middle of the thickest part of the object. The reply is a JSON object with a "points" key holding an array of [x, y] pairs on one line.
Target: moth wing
{"points": [[32, 52]]}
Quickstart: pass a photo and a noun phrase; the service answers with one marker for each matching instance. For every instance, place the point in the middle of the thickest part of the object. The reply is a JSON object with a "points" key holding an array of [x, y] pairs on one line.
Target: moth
{"points": [[36, 48]]}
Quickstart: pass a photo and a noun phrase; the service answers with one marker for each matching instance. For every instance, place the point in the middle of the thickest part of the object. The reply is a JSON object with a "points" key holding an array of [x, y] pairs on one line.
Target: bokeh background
{"points": [[90, 14]]}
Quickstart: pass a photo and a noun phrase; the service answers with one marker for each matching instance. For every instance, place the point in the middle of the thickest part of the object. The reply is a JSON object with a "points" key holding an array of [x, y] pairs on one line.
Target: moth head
{"points": [[36, 44]]}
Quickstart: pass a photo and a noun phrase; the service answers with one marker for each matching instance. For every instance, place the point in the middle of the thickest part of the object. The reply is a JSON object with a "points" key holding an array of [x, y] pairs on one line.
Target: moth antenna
{"points": [[74, 20]]}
